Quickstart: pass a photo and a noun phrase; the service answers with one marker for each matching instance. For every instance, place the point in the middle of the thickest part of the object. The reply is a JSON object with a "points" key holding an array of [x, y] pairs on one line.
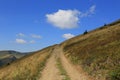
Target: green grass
{"points": [[62, 70]]}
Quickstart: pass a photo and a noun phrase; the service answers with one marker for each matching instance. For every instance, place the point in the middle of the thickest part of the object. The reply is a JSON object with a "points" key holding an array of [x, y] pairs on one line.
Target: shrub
{"points": [[105, 24], [85, 32]]}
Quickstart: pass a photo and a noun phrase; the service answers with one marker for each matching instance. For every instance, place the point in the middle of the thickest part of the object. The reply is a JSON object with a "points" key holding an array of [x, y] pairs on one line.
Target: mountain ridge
{"points": [[8, 56]]}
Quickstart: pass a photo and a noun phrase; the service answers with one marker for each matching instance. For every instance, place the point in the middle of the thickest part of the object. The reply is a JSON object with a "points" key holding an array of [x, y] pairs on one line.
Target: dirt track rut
{"points": [[51, 72]]}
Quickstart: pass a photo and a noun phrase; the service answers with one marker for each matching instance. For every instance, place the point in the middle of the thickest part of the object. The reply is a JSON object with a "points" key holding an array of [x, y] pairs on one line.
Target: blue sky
{"points": [[28, 25]]}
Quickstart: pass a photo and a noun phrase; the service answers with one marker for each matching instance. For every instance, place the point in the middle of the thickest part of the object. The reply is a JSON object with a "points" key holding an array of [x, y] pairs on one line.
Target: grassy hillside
{"points": [[4, 54], [26, 68], [7, 57], [7, 60], [98, 51]]}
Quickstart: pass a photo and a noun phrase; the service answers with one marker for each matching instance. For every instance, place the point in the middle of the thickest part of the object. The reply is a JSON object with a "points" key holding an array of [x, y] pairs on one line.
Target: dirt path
{"points": [[51, 72], [71, 71]]}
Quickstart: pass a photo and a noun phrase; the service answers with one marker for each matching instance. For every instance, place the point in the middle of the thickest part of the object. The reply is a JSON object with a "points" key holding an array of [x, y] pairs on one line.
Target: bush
{"points": [[105, 24], [85, 32]]}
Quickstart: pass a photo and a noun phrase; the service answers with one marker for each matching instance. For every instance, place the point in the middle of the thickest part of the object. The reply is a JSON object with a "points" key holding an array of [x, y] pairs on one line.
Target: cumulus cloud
{"points": [[21, 41], [20, 34], [20, 38], [35, 36], [64, 19], [68, 36], [68, 19]]}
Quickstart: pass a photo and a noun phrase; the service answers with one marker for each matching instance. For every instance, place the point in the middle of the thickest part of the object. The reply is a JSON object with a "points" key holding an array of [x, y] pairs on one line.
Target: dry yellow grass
{"points": [[26, 68], [98, 52]]}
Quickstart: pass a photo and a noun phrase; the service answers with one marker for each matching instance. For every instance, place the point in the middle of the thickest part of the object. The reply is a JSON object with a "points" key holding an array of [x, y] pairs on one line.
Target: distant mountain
{"points": [[6, 57], [7, 60]]}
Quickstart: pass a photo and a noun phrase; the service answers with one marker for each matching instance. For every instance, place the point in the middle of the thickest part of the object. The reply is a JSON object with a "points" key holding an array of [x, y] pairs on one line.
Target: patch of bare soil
{"points": [[51, 72], [71, 70]]}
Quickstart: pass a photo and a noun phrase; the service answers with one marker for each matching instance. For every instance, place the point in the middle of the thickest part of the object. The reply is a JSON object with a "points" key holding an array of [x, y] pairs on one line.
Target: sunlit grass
{"points": [[98, 52], [27, 68]]}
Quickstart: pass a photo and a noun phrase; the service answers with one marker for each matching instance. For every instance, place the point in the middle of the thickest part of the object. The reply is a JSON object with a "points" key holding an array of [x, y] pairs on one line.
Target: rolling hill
{"points": [[98, 51], [94, 55], [6, 57], [27, 67]]}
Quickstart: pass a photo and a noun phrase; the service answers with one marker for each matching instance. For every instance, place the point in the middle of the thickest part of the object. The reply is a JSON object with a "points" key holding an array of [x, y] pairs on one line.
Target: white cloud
{"points": [[35, 36], [21, 41], [20, 34], [64, 19], [28, 37], [92, 9], [68, 36], [68, 19], [32, 41], [89, 12]]}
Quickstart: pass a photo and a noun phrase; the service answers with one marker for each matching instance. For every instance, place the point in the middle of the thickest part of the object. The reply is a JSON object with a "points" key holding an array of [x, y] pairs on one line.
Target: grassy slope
{"points": [[98, 52], [7, 57], [4, 54], [26, 68]]}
